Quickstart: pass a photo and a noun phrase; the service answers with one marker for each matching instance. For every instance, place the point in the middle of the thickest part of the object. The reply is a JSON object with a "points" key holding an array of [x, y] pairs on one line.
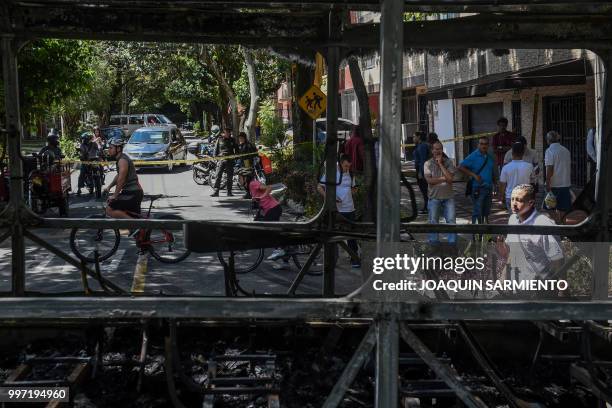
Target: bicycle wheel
{"points": [[244, 261], [300, 256], [84, 242], [167, 246]]}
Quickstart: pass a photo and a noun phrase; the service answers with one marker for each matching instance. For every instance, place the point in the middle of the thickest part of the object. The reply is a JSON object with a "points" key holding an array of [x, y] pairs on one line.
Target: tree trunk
{"points": [[365, 128], [225, 86], [254, 91], [226, 119]]}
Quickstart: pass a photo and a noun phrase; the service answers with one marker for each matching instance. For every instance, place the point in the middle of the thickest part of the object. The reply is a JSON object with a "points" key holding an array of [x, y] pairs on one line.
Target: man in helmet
{"points": [[88, 151], [52, 150], [214, 133], [127, 197]]}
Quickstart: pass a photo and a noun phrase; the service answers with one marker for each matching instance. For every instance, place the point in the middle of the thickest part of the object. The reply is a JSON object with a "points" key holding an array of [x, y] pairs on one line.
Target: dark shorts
{"points": [[273, 214], [564, 198], [128, 201]]}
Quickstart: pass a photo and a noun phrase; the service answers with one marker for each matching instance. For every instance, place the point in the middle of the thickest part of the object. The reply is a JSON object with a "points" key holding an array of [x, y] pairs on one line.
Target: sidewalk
{"points": [[463, 204]]}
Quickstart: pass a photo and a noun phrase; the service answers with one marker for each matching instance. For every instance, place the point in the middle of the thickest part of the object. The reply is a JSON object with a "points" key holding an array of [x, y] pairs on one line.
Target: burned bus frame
{"points": [[315, 25]]}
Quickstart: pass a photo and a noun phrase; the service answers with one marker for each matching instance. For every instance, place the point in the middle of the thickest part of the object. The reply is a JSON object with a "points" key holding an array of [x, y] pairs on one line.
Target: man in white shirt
{"points": [[558, 161], [530, 256], [529, 156], [514, 173], [345, 187]]}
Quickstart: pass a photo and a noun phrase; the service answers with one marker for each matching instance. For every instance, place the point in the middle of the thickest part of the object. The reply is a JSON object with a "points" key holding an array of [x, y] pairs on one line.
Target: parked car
{"points": [[345, 128], [113, 132], [157, 143], [129, 123]]}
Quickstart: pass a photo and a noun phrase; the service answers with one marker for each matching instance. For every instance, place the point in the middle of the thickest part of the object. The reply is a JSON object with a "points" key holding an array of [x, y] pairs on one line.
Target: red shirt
{"points": [[354, 149], [503, 139], [266, 201]]}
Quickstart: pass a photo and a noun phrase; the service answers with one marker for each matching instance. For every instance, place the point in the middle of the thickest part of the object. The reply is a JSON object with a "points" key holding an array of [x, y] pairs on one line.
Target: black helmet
{"points": [[53, 136]]}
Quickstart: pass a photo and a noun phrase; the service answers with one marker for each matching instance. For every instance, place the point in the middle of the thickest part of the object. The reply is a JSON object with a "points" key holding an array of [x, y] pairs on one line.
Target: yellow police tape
{"points": [[165, 162], [237, 156]]}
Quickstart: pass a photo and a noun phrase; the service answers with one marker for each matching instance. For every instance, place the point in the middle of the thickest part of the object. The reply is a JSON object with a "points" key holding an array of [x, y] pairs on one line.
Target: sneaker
{"points": [[215, 194], [78, 192], [229, 194], [278, 253]]}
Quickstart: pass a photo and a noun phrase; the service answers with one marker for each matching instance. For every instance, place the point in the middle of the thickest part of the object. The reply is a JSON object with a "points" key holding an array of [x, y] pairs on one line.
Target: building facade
{"points": [[463, 95]]}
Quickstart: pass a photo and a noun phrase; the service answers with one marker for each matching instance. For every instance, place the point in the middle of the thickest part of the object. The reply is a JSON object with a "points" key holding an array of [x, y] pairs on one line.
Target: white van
{"points": [[129, 123]]}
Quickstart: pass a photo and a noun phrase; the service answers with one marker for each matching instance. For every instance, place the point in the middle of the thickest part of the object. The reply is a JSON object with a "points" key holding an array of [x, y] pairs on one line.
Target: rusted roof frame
{"points": [[493, 32], [465, 6], [306, 309], [307, 30]]}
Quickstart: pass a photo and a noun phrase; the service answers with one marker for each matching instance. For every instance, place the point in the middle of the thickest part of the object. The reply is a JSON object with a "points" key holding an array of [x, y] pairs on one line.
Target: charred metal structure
{"points": [[302, 28]]}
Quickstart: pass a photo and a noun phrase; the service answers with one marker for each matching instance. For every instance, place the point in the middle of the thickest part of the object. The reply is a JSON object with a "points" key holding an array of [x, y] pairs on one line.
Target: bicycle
{"points": [[248, 260], [165, 246]]}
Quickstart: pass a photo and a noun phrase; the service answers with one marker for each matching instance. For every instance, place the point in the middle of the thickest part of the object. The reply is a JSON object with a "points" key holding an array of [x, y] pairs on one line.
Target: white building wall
{"points": [[527, 98]]}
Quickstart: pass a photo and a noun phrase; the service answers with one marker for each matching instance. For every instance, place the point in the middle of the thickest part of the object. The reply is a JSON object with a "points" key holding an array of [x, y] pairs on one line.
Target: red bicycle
{"points": [[164, 245]]}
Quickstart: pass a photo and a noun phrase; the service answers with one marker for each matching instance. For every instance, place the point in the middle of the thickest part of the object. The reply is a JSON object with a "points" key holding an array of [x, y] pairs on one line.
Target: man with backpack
{"points": [[345, 187]]}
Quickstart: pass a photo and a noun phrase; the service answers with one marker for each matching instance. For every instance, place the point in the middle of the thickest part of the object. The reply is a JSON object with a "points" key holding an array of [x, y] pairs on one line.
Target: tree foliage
{"points": [[52, 71], [69, 78]]}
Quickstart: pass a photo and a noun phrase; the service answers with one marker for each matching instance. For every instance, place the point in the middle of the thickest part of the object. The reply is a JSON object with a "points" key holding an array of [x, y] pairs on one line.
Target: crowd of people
{"points": [[503, 167], [493, 170]]}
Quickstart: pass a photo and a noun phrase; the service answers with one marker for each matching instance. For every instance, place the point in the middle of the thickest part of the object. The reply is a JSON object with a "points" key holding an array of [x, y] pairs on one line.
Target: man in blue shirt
{"points": [[479, 167], [421, 155]]}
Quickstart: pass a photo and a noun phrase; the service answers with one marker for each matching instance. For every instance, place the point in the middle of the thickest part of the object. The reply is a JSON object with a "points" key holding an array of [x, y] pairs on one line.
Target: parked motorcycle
{"points": [[48, 184], [202, 171], [94, 179]]}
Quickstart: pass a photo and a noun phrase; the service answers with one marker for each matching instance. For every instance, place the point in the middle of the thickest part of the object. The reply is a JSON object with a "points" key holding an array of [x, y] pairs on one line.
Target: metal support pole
{"points": [[13, 124], [388, 198], [442, 370], [601, 260], [331, 156], [391, 46], [352, 369], [387, 362]]}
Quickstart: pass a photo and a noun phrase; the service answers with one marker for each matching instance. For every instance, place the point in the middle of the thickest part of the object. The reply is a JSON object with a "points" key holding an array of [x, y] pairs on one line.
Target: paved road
{"points": [[198, 274]]}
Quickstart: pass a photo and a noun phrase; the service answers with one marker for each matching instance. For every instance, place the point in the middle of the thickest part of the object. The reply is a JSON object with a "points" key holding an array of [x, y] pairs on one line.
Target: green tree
{"points": [[51, 71]]}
